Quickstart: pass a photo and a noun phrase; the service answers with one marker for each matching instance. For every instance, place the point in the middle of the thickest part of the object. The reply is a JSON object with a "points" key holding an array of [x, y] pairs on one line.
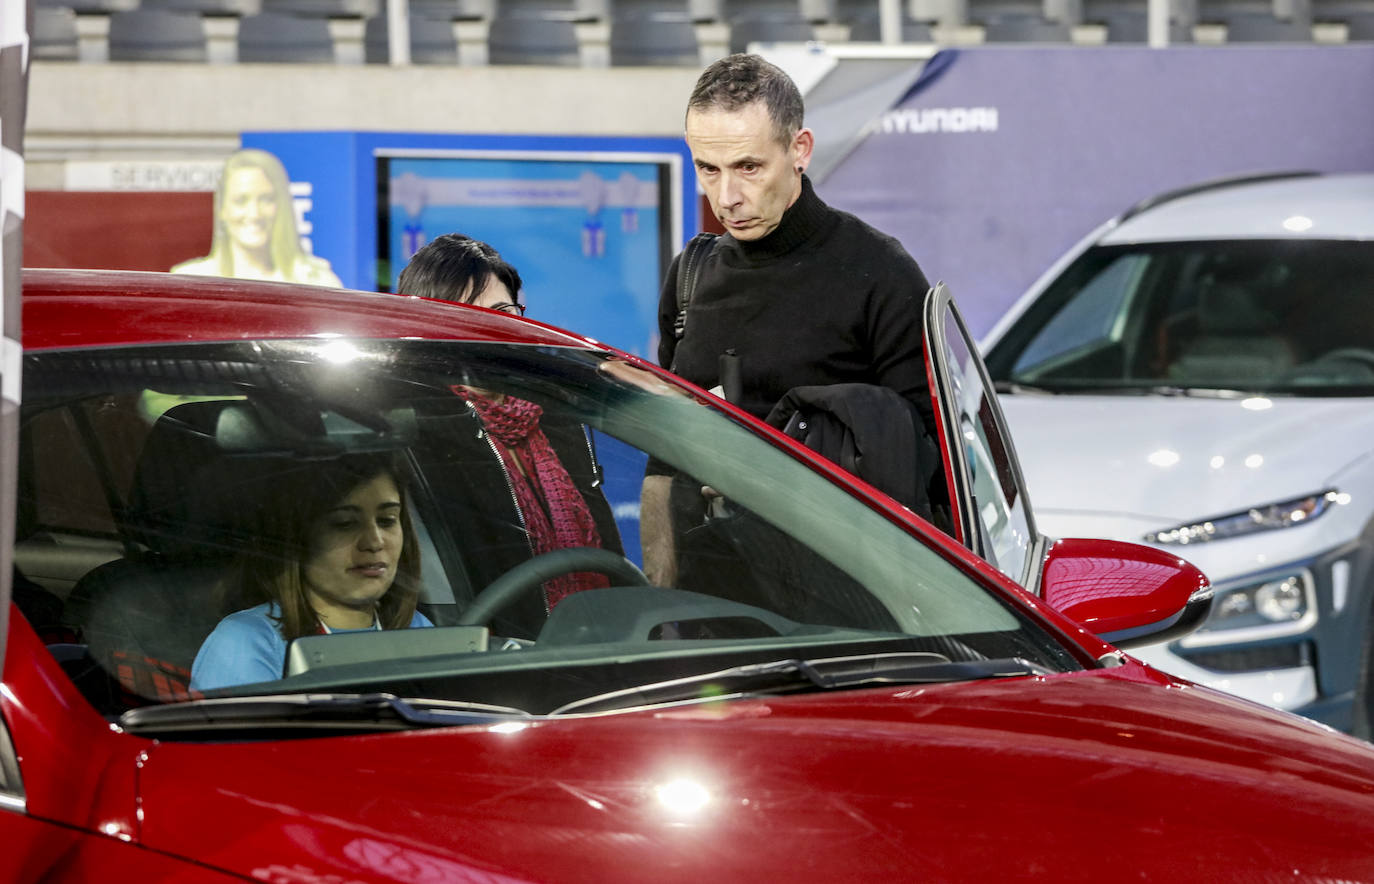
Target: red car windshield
{"points": [[447, 521]]}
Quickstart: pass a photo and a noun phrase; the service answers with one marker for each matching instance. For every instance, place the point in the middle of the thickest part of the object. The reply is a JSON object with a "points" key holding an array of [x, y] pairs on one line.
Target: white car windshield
{"points": [[457, 522], [1268, 317]]}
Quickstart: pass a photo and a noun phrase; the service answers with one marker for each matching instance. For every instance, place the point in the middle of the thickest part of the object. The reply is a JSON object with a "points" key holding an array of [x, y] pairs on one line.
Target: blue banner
{"points": [[590, 223]]}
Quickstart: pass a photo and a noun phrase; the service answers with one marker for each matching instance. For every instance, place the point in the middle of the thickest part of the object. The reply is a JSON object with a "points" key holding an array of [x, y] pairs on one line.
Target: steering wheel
{"points": [[529, 575]]}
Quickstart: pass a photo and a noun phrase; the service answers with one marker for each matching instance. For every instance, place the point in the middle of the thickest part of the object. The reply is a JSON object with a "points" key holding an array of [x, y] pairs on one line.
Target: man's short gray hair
{"points": [[742, 79]]}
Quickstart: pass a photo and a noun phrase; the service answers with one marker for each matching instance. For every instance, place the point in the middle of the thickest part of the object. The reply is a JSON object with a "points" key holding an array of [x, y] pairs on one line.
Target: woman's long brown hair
{"points": [[273, 568]]}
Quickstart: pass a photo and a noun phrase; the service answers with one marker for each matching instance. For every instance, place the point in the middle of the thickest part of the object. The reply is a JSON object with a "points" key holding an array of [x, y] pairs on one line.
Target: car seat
{"points": [[143, 617], [1237, 340]]}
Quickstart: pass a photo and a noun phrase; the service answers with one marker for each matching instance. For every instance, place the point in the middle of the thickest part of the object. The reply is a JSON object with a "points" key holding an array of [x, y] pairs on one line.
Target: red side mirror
{"points": [[1125, 593]]}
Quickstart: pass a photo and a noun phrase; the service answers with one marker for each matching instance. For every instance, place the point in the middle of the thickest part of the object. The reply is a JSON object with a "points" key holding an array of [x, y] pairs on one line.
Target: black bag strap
{"points": [[687, 267]]}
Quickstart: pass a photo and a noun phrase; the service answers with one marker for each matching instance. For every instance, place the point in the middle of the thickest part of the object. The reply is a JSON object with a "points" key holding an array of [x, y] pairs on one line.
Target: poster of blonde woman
{"points": [[255, 234]]}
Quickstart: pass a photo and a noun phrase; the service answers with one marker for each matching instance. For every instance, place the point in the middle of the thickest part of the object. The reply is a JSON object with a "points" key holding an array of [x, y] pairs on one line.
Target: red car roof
{"points": [[102, 308]]}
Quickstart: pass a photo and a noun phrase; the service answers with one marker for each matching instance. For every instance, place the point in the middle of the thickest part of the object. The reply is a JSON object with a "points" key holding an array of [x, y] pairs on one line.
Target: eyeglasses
{"points": [[510, 307]]}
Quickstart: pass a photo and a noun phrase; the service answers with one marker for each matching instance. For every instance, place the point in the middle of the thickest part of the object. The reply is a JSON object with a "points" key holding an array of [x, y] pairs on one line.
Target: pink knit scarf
{"points": [[555, 514]]}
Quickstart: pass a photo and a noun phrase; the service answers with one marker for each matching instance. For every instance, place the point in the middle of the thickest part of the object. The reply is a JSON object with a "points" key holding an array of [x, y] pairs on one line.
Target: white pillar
{"points": [[398, 31], [890, 21], [1158, 23]]}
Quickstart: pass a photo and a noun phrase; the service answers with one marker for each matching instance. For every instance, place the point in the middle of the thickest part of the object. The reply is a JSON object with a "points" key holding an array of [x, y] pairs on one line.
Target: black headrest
{"points": [[189, 495]]}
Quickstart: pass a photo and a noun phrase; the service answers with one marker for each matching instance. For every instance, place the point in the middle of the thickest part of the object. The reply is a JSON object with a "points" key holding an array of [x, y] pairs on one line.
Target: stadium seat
{"points": [[653, 32], [91, 7], [706, 10], [277, 38], [1265, 28], [766, 21], [864, 20], [53, 34], [568, 9], [1025, 29], [1129, 23], [869, 29], [235, 8], [326, 8], [156, 35], [1359, 26], [219, 18], [431, 41], [451, 10], [538, 32]]}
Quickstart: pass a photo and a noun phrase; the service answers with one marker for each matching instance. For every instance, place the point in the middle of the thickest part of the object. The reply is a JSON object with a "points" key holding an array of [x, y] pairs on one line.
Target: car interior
{"points": [[1201, 315], [135, 504], [1236, 336], [144, 476]]}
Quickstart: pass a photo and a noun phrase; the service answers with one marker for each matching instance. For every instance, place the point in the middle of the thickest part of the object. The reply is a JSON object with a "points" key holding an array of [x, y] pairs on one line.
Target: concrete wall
{"points": [[171, 111]]}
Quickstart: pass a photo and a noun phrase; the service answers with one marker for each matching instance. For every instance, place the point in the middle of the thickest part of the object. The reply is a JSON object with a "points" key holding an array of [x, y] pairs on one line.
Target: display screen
{"points": [[590, 233]]}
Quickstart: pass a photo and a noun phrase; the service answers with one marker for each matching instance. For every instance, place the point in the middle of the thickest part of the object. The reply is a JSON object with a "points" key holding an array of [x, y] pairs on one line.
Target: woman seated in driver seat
{"points": [[334, 552]]}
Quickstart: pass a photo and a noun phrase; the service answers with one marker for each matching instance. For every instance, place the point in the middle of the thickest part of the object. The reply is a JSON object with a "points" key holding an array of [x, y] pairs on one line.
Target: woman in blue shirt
{"points": [[335, 553]]}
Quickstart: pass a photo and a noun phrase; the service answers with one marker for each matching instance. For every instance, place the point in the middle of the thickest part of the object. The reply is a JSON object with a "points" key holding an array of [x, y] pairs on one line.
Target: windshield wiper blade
{"points": [[1168, 390], [350, 712], [1203, 392], [1084, 387], [785, 676]]}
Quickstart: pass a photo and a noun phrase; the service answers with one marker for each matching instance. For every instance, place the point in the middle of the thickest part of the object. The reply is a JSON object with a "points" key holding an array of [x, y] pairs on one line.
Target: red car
{"points": [[814, 685]]}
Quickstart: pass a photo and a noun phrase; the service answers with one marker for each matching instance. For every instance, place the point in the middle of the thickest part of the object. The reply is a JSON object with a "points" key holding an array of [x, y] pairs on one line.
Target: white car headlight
{"points": [[1270, 517], [1283, 604]]}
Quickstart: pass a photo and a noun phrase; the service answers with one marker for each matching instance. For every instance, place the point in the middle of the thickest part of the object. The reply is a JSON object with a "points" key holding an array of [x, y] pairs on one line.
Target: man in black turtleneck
{"points": [[802, 294]]}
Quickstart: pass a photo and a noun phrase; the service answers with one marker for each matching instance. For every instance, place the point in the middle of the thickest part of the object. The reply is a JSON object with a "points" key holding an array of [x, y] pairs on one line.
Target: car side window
{"points": [[997, 519]]}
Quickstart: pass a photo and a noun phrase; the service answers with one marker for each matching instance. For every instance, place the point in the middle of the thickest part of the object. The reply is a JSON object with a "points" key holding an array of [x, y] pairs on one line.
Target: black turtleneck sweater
{"points": [[823, 299]]}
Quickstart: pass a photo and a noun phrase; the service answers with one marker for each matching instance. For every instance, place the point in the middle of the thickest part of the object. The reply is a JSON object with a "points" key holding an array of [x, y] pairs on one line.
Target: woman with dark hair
{"points": [[335, 552], [546, 468], [454, 267]]}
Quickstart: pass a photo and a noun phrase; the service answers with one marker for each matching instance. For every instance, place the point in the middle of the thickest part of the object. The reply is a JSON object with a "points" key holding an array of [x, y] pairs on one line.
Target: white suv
{"points": [[1198, 374]]}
